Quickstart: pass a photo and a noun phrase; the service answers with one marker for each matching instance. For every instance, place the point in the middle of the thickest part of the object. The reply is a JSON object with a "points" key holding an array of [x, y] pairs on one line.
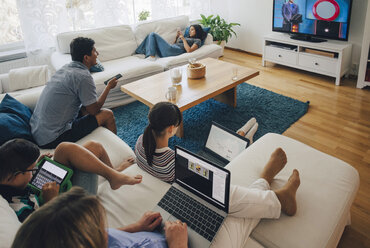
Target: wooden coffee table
{"points": [[217, 84]]}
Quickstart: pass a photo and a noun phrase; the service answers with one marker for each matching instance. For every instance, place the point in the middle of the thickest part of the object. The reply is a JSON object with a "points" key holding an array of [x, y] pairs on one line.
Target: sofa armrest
{"points": [[209, 39]]}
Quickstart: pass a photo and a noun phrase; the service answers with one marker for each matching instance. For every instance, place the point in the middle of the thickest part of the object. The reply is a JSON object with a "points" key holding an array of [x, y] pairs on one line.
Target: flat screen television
{"points": [[309, 19]]}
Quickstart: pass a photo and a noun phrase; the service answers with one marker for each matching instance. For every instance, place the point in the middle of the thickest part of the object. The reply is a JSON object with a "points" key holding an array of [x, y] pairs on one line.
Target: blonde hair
{"points": [[73, 219]]}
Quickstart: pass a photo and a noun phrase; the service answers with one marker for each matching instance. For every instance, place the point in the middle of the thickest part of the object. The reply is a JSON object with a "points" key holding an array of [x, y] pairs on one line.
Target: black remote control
{"points": [[116, 76]]}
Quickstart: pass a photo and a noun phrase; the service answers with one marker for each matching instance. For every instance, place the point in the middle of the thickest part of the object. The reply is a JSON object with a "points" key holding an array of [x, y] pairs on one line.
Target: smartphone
{"points": [[116, 76]]}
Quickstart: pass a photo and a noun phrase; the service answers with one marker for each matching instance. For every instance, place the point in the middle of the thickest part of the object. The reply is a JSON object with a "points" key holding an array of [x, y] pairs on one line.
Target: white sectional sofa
{"points": [[328, 188], [116, 46]]}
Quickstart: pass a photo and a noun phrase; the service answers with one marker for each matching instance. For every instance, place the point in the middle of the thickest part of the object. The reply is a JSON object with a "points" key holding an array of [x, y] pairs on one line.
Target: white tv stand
{"points": [[331, 58]]}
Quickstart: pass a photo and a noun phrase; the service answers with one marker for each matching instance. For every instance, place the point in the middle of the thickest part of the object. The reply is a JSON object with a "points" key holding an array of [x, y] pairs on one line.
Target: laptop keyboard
{"points": [[198, 217]]}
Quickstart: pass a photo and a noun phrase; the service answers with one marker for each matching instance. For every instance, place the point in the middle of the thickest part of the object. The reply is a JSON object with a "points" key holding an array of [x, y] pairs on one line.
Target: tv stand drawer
{"points": [[316, 63], [281, 55]]}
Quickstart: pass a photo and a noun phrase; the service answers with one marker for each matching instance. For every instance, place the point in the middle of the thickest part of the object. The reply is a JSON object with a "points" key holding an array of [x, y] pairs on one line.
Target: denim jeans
{"points": [[154, 44]]}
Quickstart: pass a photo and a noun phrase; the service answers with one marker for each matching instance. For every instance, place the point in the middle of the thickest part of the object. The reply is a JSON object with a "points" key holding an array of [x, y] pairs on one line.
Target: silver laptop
{"points": [[199, 197], [222, 145]]}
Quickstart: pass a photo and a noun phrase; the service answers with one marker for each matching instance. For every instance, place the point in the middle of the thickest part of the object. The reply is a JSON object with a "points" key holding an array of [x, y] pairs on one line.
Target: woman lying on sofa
{"points": [[154, 45]]}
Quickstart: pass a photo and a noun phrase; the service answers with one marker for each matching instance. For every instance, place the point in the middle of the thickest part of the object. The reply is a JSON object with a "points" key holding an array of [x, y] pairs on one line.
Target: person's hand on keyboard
{"points": [[49, 191], [176, 234], [148, 222]]}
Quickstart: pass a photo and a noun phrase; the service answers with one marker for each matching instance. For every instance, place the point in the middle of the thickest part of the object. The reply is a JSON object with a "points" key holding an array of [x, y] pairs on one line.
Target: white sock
{"points": [[251, 133], [247, 126]]}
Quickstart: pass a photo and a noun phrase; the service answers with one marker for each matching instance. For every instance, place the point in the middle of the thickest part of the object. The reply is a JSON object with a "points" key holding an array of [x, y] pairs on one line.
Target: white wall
{"points": [[255, 17]]}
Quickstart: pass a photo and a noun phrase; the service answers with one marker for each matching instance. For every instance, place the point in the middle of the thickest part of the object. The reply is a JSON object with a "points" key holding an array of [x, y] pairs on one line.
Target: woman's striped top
{"points": [[163, 164]]}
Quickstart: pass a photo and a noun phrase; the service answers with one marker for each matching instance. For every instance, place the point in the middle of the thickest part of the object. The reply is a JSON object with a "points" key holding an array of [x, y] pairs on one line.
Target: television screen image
{"points": [[321, 18]]}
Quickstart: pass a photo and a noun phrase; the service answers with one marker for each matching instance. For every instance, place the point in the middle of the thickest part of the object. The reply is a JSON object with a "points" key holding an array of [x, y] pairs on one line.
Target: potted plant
{"points": [[143, 15], [220, 29]]}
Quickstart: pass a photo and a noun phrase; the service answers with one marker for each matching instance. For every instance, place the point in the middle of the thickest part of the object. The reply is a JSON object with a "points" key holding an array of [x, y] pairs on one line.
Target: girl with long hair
{"points": [[152, 152]]}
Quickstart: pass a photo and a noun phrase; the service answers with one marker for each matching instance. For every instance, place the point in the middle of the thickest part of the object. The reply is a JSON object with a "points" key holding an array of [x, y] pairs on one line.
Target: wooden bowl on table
{"points": [[196, 71]]}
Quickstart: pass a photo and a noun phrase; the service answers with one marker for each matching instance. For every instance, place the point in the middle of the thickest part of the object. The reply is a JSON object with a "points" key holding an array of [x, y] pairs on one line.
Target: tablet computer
{"points": [[51, 171]]}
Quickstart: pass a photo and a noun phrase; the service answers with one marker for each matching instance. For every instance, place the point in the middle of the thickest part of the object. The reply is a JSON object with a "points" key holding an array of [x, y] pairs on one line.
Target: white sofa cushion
{"points": [[111, 42], [166, 28], [327, 190], [129, 67], [59, 59], [28, 97], [9, 224], [25, 78]]}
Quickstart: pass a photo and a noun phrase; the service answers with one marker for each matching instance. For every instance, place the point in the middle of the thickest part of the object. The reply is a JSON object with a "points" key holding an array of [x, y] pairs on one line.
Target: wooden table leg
{"points": [[228, 97]]}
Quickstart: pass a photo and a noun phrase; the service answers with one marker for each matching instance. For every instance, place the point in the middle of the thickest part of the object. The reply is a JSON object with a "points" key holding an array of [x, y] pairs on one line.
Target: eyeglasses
{"points": [[33, 171]]}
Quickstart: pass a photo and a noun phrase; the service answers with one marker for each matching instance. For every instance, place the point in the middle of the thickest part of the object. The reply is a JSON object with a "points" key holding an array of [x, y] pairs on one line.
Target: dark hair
{"points": [[199, 33], [80, 47], [17, 155], [73, 219], [161, 116]]}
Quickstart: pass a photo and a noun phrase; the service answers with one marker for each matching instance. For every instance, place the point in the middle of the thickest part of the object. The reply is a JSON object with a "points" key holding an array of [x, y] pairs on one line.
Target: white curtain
{"points": [[112, 12], [40, 21]]}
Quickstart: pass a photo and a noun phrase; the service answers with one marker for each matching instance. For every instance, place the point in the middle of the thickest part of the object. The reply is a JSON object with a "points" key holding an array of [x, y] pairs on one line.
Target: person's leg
{"points": [[81, 127], [76, 156], [255, 202], [98, 150], [287, 194], [164, 49], [145, 46], [247, 126], [251, 133], [105, 118]]}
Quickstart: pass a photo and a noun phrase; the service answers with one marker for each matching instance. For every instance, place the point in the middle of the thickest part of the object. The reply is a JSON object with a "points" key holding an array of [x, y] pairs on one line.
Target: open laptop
{"points": [[199, 197], [222, 145]]}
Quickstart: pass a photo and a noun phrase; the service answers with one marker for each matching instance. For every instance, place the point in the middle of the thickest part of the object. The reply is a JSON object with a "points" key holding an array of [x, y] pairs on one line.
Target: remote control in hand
{"points": [[116, 76]]}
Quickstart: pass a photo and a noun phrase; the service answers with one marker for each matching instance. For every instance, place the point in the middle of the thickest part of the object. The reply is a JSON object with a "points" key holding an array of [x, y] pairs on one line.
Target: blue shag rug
{"points": [[274, 113]]}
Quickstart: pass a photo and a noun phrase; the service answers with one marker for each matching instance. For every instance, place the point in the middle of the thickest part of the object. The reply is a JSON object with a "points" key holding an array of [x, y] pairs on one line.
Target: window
{"points": [[11, 33]]}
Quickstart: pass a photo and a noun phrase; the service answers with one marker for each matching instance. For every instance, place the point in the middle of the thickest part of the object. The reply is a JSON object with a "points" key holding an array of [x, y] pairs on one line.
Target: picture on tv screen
{"points": [[324, 18]]}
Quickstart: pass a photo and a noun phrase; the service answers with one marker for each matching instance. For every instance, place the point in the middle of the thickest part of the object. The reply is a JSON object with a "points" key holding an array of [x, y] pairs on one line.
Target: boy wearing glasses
{"points": [[18, 158]]}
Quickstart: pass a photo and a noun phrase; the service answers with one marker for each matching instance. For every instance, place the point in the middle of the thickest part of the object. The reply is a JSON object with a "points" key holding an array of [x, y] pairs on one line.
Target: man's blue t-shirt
{"points": [[60, 102], [121, 239]]}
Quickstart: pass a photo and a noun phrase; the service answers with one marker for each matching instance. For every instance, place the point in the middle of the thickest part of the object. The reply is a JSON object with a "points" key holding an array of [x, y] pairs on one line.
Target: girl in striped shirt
{"points": [[152, 152]]}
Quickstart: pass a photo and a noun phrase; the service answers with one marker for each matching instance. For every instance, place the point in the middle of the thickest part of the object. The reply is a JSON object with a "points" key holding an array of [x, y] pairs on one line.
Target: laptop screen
{"points": [[225, 144], [208, 181]]}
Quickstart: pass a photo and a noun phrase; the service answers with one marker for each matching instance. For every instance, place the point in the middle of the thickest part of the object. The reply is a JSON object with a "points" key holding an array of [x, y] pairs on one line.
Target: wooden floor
{"points": [[337, 123]]}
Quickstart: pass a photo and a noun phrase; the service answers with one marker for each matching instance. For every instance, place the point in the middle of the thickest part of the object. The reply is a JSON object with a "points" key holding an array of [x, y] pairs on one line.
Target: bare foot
{"points": [[276, 163], [120, 179], [126, 164], [287, 194], [241, 133]]}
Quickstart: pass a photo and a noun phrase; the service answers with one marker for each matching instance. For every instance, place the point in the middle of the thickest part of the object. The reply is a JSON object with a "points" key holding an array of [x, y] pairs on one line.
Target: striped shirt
{"points": [[163, 164]]}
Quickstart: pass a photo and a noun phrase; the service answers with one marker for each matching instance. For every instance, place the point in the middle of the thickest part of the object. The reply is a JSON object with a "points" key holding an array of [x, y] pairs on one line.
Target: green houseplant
{"points": [[143, 15], [220, 29]]}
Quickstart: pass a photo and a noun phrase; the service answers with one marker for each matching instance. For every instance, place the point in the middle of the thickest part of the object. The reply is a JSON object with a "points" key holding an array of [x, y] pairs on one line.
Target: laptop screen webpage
{"points": [[225, 144], [49, 173], [203, 179]]}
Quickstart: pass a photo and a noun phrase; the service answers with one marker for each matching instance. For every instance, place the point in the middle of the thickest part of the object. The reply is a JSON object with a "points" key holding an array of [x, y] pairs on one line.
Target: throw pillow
{"points": [[98, 67], [14, 120]]}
